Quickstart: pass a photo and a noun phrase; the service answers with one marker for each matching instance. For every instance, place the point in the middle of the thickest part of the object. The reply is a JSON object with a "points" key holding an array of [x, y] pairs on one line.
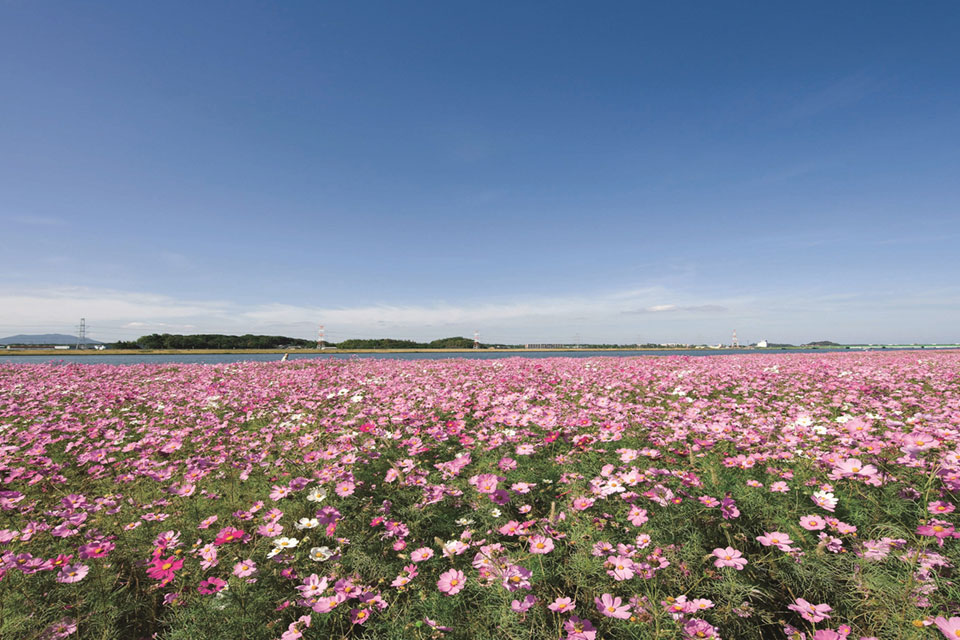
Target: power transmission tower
{"points": [[82, 333], [320, 337], [476, 339], [735, 343]]}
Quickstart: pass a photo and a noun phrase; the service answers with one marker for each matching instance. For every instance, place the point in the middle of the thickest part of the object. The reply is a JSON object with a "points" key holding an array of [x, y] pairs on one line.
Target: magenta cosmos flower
{"points": [[938, 529], [451, 582], [163, 568], [229, 534], [211, 585], [729, 557]]}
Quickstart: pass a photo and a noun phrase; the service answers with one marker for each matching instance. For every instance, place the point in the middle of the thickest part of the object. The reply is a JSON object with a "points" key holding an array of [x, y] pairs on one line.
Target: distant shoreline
{"points": [[295, 352]]}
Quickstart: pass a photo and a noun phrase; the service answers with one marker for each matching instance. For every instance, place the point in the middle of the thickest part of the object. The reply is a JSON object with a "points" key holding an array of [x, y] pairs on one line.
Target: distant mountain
{"points": [[46, 338]]}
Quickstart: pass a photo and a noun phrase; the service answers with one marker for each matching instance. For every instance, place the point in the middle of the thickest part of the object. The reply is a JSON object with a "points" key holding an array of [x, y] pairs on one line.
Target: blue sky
{"points": [[535, 171]]}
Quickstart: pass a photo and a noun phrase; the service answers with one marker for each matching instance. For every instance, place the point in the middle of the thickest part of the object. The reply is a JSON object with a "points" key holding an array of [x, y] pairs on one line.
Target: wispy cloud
{"points": [[842, 93], [676, 308], [38, 221]]}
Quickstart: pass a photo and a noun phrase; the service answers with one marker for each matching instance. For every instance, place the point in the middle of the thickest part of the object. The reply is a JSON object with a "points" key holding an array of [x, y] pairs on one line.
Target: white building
{"points": [[762, 344]]}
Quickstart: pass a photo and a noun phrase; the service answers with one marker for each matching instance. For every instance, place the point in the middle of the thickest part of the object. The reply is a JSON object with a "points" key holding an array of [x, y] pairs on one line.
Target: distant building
{"points": [[762, 344]]}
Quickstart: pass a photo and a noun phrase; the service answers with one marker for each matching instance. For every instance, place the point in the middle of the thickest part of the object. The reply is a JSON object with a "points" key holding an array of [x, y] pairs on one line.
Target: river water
{"points": [[215, 358]]}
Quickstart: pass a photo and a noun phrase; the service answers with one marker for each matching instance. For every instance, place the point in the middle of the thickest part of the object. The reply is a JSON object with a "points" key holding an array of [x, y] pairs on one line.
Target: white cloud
{"points": [[652, 314]]}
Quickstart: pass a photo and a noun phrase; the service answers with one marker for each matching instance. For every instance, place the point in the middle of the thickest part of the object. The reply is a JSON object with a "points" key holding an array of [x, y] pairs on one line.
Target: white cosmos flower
{"points": [[317, 495], [285, 543], [320, 554], [307, 523]]}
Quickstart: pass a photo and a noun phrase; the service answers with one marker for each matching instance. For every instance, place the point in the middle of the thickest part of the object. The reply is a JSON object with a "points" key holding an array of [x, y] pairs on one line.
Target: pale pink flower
{"points": [[811, 612], [729, 557], [562, 605], [813, 523], [244, 568], [612, 607], [451, 582], [421, 554], [541, 544]]}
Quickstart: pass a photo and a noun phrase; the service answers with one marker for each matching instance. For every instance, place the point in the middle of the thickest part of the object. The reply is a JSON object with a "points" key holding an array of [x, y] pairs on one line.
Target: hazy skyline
{"points": [[623, 172]]}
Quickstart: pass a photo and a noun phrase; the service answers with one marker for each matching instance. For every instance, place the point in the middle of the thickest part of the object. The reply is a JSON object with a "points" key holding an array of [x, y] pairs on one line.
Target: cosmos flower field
{"points": [[757, 496]]}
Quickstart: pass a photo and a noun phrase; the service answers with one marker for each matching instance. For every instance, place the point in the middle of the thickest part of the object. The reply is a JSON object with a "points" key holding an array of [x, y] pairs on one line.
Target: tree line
{"points": [[157, 341], [213, 341]]}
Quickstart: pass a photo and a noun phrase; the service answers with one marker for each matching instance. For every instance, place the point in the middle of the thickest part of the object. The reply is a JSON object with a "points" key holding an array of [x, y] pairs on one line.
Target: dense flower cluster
{"points": [[607, 497]]}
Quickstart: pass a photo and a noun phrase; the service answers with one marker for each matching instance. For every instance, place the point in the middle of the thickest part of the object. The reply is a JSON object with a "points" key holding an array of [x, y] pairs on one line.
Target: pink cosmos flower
{"points": [[451, 582], [96, 549], [779, 487], [950, 628], [813, 523], [229, 534], [244, 568], [541, 544], [579, 629], [523, 607], [811, 612], [359, 616], [436, 625], [621, 568], [637, 516], [162, 569], [421, 554], [776, 539], [487, 483], [512, 528], [270, 530], [612, 607], [562, 605], [65, 627], [328, 603], [729, 557], [516, 577], [940, 507], [853, 467], [696, 628], [582, 504], [72, 573], [938, 529], [312, 586], [211, 585]]}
